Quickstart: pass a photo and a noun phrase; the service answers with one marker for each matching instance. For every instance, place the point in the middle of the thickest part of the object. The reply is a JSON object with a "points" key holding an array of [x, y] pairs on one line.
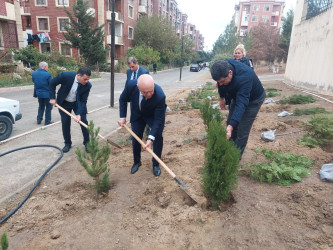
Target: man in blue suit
{"points": [[147, 107], [72, 95], [41, 79], [135, 70]]}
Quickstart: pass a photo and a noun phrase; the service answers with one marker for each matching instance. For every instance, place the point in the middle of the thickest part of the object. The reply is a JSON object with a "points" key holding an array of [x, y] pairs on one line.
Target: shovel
{"points": [[86, 126], [180, 183]]}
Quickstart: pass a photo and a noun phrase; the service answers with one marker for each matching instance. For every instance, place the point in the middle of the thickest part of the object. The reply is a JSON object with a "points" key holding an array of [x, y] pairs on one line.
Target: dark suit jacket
{"points": [[66, 79], [153, 112], [141, 71]]}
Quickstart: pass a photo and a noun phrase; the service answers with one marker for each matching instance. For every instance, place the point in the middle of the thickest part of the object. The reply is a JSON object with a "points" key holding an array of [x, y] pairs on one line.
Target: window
{"points": [[254, 19], [256, 8], [45, 47], [62, 3], [1, 37], [62, 23], [65, 49], [42, 23], [40, 3], [264, 19], [130, 33], [266, 8], [130, 11]]}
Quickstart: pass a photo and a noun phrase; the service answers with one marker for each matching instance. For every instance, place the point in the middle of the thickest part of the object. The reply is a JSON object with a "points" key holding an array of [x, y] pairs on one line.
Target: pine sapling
{"points": [[4, 242], [95, 161]]}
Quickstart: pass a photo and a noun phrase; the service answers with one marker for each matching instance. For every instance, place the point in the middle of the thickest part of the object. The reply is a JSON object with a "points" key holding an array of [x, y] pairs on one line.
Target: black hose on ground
{"points": [[38, 181]]}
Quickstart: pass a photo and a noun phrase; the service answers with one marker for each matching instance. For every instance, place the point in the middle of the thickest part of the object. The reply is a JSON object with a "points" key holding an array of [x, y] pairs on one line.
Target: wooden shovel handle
{"points": [[151, 152], [86, 126]]}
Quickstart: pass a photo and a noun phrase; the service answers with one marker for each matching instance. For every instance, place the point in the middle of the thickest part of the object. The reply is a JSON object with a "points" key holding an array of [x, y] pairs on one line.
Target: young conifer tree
{"points": [[219, 175], [95, 161], [4, 242]]}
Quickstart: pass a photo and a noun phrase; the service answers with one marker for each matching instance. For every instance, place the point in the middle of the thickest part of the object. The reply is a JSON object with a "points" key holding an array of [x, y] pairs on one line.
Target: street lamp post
{"points": [[181, 54], [113, 18]]}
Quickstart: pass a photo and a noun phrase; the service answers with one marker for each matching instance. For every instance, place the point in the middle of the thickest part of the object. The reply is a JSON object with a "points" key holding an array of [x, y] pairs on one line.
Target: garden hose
{"points": [[38, 181]]}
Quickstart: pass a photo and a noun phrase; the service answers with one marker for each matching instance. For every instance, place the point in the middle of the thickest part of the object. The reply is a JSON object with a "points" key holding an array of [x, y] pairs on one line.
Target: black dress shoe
{"points": [[156, 170], [66, 148], [135, 167], [39, 121]]}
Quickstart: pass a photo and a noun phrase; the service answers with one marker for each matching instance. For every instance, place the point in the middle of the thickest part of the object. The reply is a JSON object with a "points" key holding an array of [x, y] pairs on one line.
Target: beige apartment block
{"points": [[310, 58]]}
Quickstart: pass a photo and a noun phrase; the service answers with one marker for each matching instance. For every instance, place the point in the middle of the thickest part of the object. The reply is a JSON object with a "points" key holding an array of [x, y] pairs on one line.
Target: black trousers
{"points": [[138, 128], [240, 134], [66, 123]]}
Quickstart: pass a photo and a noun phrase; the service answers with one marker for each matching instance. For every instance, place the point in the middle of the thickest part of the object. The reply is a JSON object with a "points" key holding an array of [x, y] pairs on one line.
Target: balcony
{"points": [[142, 9], [25, 11], [275, 13], [274, 24], [119, 17], [8, 13], [243, 32], [118, 40]]}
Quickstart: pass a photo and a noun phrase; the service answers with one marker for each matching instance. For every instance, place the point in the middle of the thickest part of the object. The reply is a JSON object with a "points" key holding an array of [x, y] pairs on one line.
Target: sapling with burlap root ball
{"points": [[95, 161]]}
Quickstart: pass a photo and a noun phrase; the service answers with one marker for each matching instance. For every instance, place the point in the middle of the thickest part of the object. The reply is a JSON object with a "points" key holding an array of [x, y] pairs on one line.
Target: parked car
{"points": [[194, 68], [9, 114]]}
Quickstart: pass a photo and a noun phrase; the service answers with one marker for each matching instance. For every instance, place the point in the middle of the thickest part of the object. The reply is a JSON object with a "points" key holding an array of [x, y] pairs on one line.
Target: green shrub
{"points": [[219, 175], [95, 161], [272, 94], [4, 242], [310, 111], [298, 99], [319, 131], [209, 114], [281, 169]]}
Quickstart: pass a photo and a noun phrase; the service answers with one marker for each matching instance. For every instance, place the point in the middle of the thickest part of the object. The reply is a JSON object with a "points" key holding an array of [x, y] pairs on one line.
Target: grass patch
{"points": [[281, 169], [9, 80], [298, 99], [310, 111], [272, 94]]}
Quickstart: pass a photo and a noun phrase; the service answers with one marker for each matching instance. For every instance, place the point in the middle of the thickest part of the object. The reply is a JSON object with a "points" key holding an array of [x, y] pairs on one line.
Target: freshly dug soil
{"points": [[146, 212]]}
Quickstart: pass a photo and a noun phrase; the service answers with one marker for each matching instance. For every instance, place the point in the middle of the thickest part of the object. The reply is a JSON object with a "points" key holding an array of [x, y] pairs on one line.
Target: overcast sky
{"points": [[211, 17]]}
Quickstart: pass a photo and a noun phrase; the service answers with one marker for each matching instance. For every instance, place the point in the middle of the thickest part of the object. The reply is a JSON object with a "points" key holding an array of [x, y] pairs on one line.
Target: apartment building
{"points": [[249, 13], [42, 23], [10, 25]]}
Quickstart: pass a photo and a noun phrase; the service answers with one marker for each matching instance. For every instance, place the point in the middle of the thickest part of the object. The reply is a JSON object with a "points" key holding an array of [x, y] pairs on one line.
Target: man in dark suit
{"points": [[72, 95], [135, 70], [147, 107]]}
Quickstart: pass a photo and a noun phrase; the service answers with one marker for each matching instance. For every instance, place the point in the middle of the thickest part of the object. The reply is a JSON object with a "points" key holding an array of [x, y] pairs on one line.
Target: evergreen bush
{"points": [[298, 99], [95, 161], [4, 242], [209, 114], [281, 169], [319, 131], [219, 175]]}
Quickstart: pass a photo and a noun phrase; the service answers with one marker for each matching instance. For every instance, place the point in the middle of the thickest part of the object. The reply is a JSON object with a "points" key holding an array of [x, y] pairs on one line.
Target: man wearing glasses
{"points": [[147, 107]]}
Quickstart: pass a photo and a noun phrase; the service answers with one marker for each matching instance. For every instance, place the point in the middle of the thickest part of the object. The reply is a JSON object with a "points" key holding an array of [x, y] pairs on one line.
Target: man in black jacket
{"points": [[240, 87], [72, 95]]}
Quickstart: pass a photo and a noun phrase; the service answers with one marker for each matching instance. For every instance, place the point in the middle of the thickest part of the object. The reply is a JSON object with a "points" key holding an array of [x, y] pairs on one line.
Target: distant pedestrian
{"points": [[72, 96], [134, 70], [41, 79], [240, 55], [155, 67]]}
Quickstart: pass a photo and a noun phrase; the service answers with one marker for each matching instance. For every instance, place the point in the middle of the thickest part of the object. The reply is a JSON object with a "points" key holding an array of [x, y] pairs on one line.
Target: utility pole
{"points": [[181, 54], [113, 19]]}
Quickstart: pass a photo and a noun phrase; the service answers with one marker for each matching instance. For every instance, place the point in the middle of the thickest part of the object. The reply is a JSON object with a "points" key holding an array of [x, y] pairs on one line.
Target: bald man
{"points": [[147, 107]]}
